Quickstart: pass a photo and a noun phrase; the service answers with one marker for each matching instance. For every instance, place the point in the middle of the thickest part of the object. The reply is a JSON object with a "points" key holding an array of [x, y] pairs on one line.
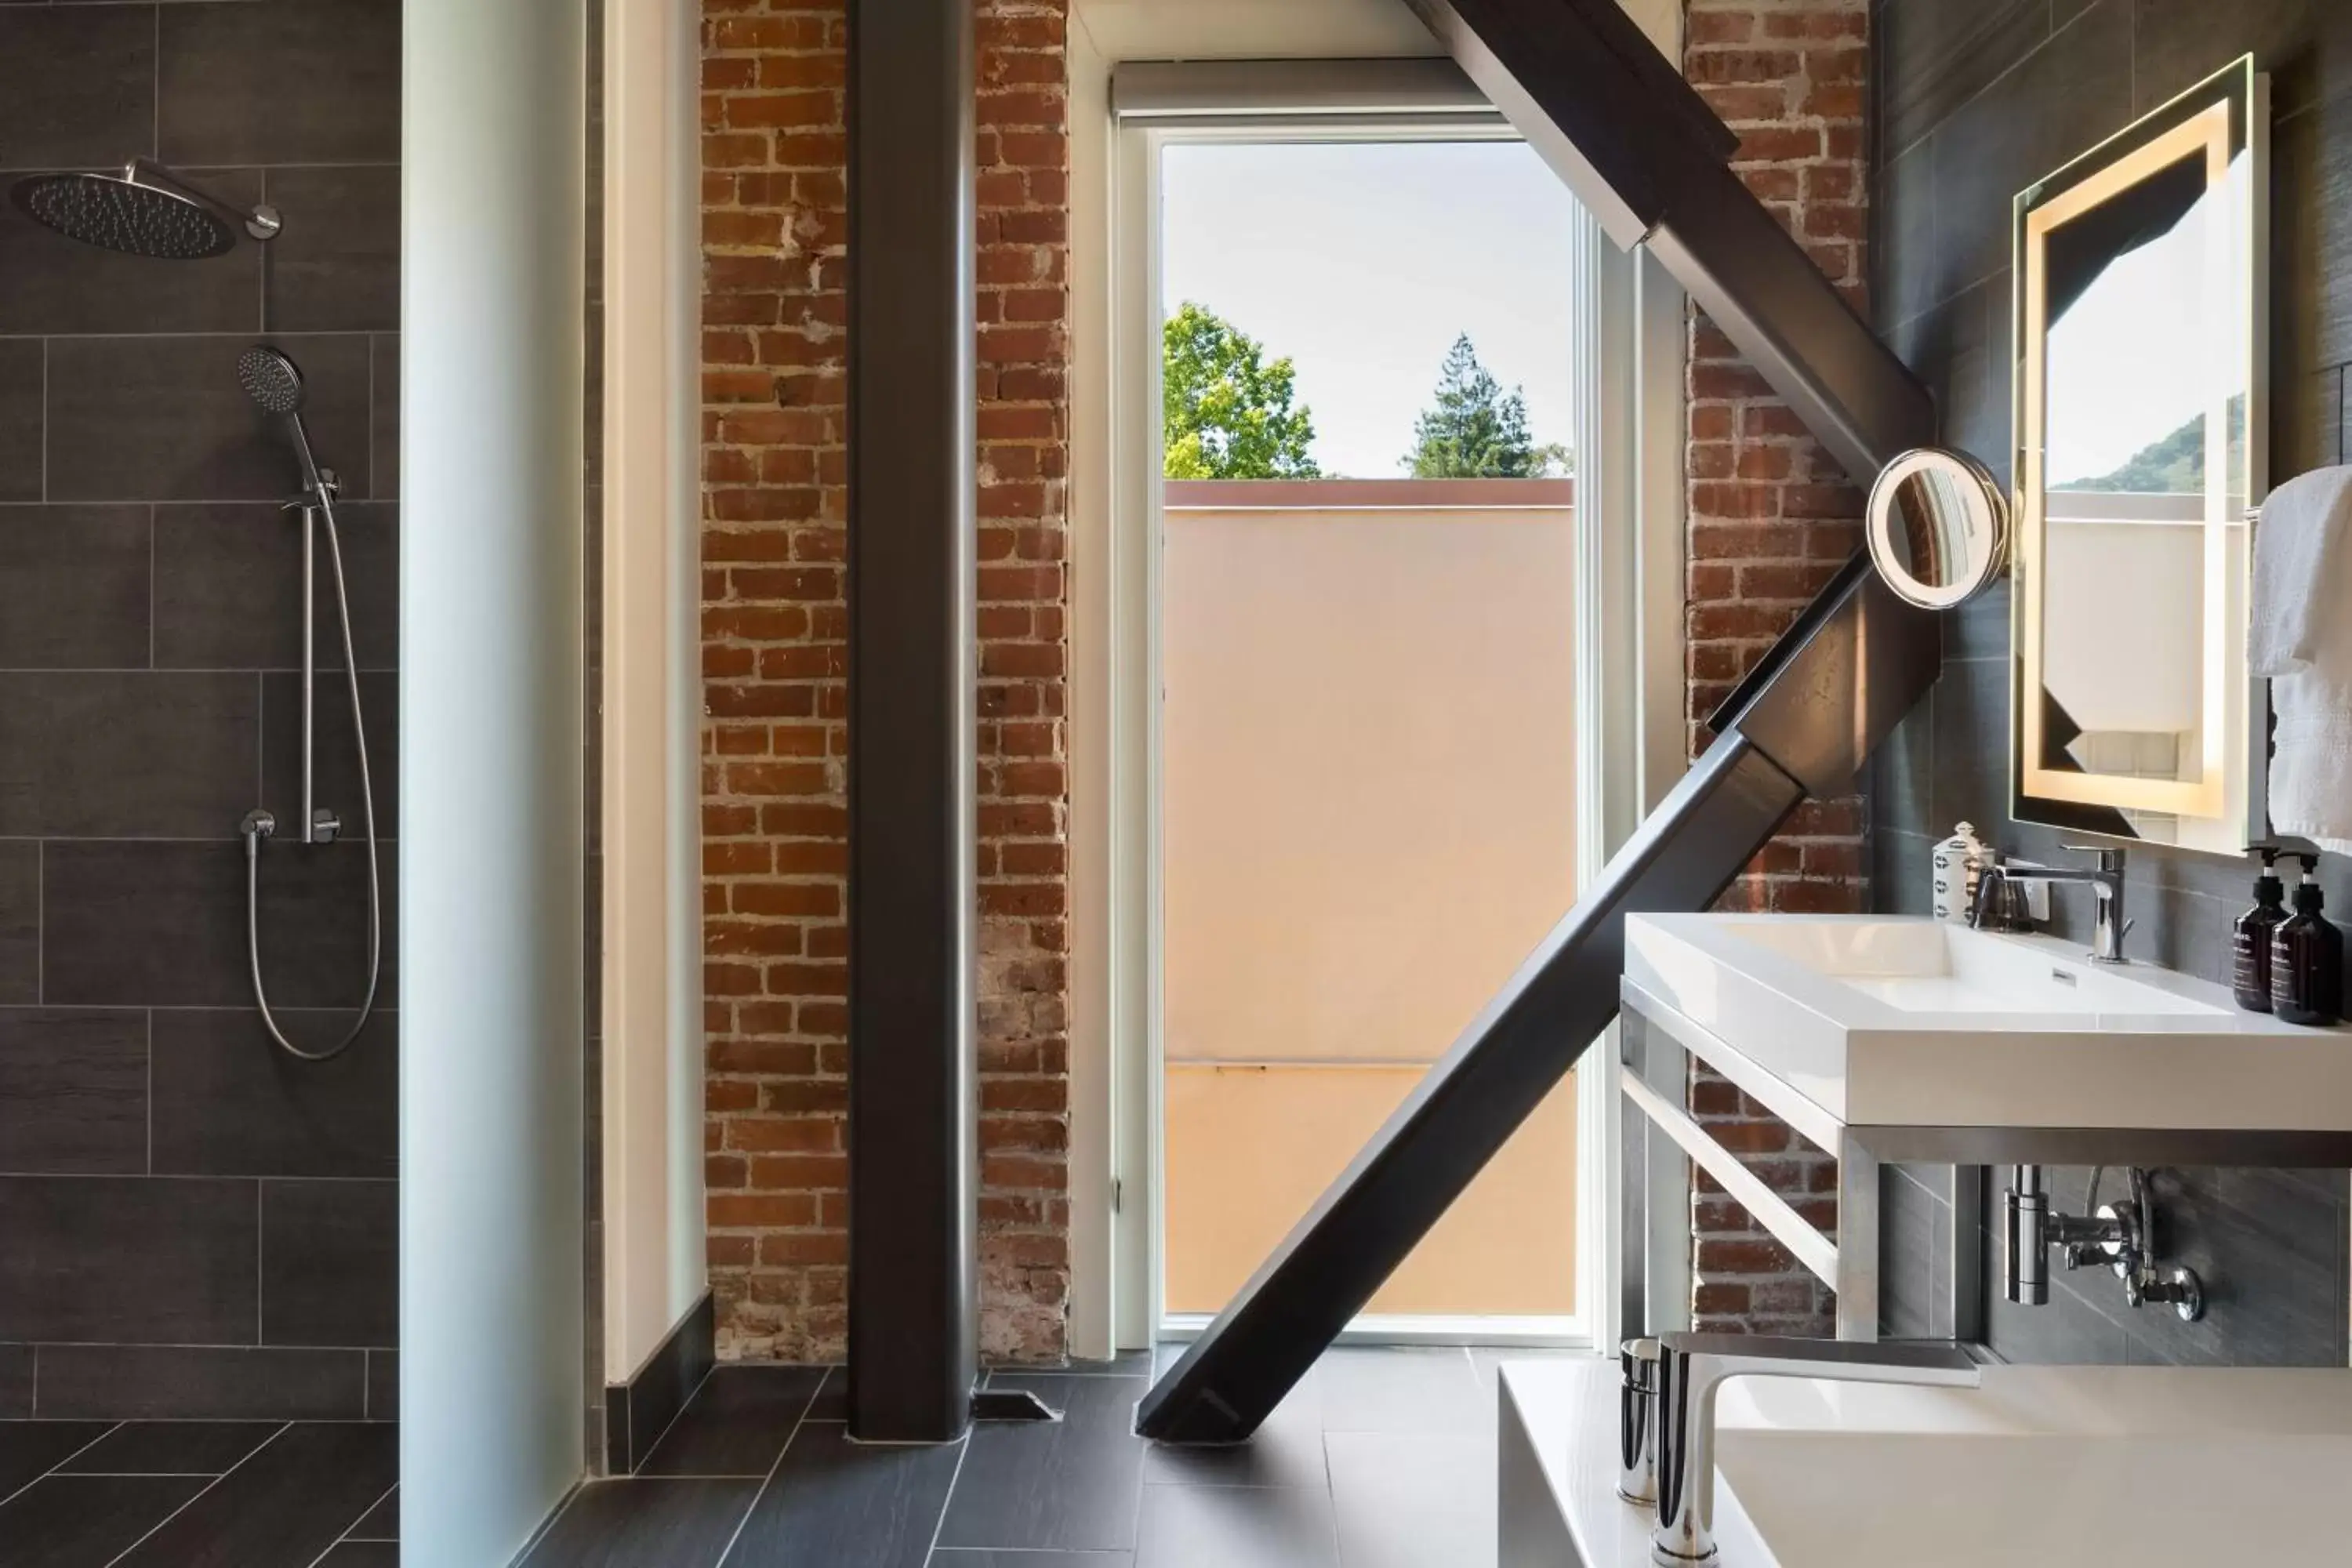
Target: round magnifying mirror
{"points": [[1938, 527]]}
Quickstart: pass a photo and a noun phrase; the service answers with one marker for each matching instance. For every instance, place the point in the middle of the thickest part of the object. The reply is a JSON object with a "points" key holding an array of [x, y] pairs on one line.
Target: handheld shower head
{"points": [[270, 379], [146, 210], [275, 383]]}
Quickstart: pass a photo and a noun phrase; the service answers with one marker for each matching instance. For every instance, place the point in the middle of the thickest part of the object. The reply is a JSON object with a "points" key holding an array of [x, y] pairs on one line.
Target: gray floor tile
{"points": [[1235, 1527], [31, 1449], [1068, 1485], [381, 1522], [1409, 1502], [1400, 1390], [831, 1401], [85, 1521], [644, 1524], [1126, 1364], [981, 1557], [170, 1448], [736, 1422], [832, 1500], [285, 1505], [363, 1554], [1286, 1451]]}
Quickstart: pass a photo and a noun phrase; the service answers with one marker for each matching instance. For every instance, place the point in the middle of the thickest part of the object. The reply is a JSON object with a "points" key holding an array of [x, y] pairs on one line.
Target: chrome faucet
{"points": [[2105, 878], [1693, 1367]]}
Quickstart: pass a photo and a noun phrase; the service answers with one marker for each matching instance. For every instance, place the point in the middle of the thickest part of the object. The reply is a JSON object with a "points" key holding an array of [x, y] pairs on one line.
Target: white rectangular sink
{"points": [[2041, 1468], [1928, 966], [1910, 1023]]}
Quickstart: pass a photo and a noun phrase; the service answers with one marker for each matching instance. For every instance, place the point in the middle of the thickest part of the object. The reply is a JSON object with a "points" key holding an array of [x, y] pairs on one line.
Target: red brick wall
{"points": [[774, 661], [1771, 518]]}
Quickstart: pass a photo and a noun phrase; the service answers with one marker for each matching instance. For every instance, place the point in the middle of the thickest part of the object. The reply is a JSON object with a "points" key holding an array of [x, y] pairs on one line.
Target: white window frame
{"points": [[1628, 357]]}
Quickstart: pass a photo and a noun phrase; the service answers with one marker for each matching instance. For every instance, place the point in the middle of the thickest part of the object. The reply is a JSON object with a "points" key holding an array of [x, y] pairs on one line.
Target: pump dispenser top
{"points": [[2307, 957], [2250, 936]]}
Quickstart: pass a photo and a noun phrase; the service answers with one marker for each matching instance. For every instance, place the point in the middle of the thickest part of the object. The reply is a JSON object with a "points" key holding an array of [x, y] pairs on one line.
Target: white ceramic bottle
{"points": [[1958, 862]]}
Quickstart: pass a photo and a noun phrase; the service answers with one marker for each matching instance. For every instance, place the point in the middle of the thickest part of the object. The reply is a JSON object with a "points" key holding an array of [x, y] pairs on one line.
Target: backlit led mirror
{"points": [[2141, 439], [1937, 527]]}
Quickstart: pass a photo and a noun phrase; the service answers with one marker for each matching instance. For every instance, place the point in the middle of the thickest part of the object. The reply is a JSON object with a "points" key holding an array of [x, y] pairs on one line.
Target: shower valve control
{"points": [[325, 826]]}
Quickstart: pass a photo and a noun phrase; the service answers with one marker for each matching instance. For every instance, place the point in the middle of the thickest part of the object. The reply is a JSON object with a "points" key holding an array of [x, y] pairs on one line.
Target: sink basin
{"points": [[2068, 1499], [1928, 966], [1892, 1022], [2041, 1468]]}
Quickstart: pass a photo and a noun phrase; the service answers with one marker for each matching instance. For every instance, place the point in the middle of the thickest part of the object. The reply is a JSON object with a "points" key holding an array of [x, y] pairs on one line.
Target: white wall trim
{"points": [[651, 909], [1093, 1082]]}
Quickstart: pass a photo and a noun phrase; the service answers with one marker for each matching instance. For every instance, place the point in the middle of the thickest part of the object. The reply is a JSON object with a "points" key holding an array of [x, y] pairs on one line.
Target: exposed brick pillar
{"points": [[1771, 518], [775, 229], [1025, 1090]]}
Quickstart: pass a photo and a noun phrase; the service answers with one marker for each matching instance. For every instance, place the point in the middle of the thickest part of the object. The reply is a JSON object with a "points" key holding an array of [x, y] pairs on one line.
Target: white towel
{"points": [[2299, 636]]}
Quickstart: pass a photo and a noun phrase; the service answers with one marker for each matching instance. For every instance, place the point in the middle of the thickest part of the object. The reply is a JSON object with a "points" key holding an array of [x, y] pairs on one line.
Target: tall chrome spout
{"points": [[1693, 1367]]}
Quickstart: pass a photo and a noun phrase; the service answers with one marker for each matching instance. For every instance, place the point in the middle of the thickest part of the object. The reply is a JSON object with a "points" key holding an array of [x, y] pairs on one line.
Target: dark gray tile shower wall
{"points": [[196, 1225], [1975, 100]]}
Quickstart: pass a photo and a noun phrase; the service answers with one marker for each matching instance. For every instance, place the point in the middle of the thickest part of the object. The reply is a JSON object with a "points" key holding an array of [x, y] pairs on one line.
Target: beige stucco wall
{"points": [[1368, 818]]}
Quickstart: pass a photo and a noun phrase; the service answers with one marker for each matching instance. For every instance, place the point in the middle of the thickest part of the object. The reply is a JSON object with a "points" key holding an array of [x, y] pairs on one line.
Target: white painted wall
{"points": [[653, 1055], [491, 944]]}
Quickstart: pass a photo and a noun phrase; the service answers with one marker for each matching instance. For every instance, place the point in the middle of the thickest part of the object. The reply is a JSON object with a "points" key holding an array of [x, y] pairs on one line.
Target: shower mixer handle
{"points": [[258, 825]]}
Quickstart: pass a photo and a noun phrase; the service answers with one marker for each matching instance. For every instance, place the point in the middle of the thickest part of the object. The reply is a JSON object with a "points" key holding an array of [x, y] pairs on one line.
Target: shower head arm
{"points": [[316, 481], [262, 222]]}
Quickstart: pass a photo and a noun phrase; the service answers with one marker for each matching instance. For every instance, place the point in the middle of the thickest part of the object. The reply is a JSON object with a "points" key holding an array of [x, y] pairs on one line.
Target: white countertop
{"points": [[1878, 1021]]}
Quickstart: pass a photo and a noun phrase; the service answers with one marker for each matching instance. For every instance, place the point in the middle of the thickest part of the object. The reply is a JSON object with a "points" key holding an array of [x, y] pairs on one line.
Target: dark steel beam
{"points": [[1837, 681], [1592, 96], [1615, 119], [1466, 1107], [1858, 660], [912, 1164]]}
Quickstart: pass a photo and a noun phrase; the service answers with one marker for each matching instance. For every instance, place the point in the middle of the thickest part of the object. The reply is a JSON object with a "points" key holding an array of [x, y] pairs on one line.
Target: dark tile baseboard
{"points": [[637, 1413], [188, 1382]]}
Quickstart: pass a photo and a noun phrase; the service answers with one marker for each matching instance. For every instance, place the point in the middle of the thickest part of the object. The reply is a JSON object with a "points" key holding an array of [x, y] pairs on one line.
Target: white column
{"points": [[491, 938]]}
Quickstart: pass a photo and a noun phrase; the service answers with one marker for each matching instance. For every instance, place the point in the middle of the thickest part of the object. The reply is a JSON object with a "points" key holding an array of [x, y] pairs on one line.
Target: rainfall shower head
{"points": [[275, 383], [270, 379], [146, 210]]}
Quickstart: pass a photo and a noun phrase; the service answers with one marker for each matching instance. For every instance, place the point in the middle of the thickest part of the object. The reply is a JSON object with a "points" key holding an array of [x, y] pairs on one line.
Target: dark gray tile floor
{"points": [[1380, 1459], [197, 1494]]}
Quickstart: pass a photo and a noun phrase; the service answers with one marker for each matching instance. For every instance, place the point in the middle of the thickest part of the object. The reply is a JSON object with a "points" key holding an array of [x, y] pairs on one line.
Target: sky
{"points": [[1361, 262], [2128, 365]]}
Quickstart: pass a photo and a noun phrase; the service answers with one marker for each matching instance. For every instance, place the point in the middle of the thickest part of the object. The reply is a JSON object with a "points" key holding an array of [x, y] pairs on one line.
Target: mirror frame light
{"points": [[2204, 122], [1979, 489]]}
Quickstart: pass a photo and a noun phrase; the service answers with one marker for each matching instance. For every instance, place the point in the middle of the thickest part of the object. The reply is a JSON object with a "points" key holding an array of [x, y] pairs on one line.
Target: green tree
{"points": [[1225, 414], [1474, 432]]}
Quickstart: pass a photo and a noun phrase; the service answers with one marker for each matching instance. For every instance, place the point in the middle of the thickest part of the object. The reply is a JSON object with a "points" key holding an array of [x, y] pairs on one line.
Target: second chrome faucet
{"points": [[1691, 1370]]}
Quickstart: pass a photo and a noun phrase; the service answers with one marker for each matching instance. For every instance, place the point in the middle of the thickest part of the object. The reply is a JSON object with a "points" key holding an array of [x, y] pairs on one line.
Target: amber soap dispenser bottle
{"points": [[2250, 958], [2308, 959]]}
